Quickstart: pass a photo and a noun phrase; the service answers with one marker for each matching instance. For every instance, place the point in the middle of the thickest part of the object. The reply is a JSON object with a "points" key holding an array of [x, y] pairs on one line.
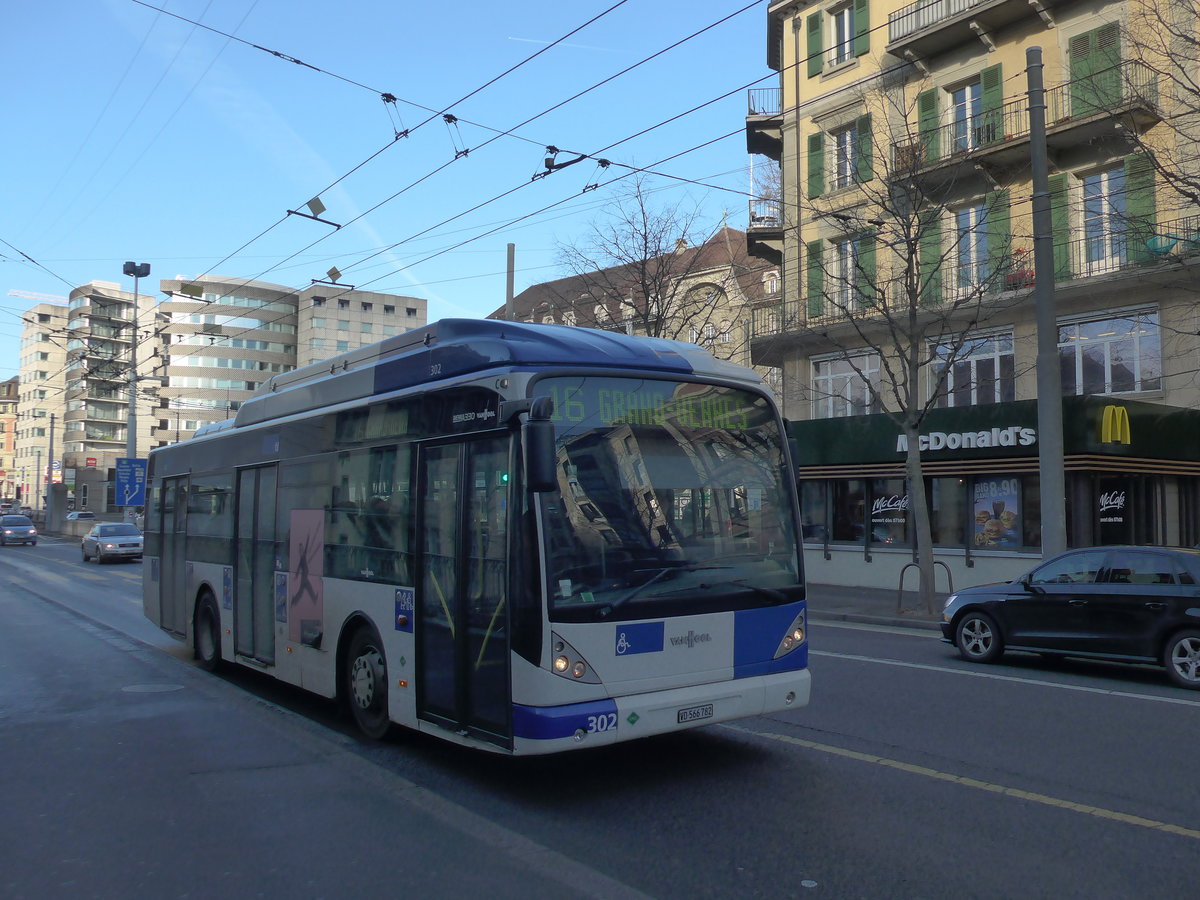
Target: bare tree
{"points": [[897, 288], [660, 272]]}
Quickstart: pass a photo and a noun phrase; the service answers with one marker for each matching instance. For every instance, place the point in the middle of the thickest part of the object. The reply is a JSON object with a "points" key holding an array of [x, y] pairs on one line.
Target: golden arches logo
{"points": [[1114, 425]]}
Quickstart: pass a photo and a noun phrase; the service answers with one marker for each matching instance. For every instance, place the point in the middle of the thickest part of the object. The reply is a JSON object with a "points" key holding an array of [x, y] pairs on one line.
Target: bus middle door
{"points": [[462, 616], [254, 598]]}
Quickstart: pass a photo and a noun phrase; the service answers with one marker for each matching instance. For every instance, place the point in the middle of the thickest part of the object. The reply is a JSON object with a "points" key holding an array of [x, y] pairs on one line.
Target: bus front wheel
{"points": [[208, 632], [366, 684]]}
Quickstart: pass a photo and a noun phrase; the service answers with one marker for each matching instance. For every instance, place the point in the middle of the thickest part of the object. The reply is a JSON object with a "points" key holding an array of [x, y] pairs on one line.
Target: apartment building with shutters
{"points": [[905, 214]]}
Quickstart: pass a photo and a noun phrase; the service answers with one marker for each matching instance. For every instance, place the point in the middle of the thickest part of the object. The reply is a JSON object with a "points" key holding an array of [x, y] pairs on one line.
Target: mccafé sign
{"points": [[1012, 436]]}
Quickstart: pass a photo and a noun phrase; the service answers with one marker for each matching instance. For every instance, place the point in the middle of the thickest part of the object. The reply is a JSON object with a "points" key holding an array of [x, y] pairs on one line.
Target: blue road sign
{"points": [[131, 482]]}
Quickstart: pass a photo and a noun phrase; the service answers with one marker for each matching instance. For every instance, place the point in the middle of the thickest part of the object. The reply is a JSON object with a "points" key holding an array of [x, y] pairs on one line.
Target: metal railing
{"points": [[1124, 247], [924, 13], [1128, 85], [764, 101], [765, 214]]}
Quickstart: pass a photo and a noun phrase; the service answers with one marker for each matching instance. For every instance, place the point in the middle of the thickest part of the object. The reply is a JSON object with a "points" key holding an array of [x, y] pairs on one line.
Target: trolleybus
{"points": [[523, 538]]}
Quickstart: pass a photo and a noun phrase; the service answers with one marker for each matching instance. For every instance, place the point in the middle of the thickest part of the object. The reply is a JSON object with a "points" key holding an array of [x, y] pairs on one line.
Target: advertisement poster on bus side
{"points": [[306, 564]]}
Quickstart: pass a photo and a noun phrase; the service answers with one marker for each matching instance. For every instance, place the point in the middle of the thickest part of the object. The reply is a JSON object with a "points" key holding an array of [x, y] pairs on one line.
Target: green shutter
{"points": [[1140, 205], [930, 255], [816, 165], [991, 90], [927, 117], [1060, 227], [1094, 57], [862, 27], [814, 44], [864, 162], [816, 280], [865, 277], [999, 240]]}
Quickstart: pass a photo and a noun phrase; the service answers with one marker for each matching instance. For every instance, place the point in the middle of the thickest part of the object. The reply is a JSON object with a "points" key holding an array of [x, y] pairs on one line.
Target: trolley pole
{"points": [[1049, 378]]}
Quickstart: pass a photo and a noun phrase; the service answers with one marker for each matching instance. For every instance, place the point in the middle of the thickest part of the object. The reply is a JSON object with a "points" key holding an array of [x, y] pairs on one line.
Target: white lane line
{"points": [[1129, 695]]}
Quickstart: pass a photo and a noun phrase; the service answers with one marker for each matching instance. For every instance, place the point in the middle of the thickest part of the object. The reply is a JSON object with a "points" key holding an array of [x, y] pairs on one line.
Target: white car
{"points": [[112, 540]]}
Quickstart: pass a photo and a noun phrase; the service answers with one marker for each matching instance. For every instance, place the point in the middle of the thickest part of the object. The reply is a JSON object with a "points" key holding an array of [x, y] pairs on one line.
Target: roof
{"points": [[723, 255]]}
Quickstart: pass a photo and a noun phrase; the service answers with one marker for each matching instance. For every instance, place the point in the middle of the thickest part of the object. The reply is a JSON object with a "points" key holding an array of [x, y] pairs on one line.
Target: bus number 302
{"points": [[602, 722]]}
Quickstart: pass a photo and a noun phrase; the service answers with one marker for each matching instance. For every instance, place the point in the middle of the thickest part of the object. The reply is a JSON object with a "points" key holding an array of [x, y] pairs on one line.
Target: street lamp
{"points": [[137, 270]]}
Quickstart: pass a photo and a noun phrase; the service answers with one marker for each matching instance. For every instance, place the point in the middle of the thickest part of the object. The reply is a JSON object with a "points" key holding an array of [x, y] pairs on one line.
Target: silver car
{"points": [[112, 540], [17, 530]]}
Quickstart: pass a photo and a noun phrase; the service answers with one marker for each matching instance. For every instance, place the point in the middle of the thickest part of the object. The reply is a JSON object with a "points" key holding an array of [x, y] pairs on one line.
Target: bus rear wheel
{"points": [[366, 684], [208, 633]]}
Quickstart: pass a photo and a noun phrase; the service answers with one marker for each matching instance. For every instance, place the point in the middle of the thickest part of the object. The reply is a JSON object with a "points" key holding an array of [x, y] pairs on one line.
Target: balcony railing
{"points": [[923, 14], [765, 214], [1123, 248], [1128, 85], [764, 101]]}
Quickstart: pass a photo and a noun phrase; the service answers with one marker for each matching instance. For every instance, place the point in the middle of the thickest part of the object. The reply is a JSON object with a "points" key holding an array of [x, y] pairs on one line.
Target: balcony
{"points": [[1077, 112], [1132, 250], [929, 27], [764, 234], [764, 122]]}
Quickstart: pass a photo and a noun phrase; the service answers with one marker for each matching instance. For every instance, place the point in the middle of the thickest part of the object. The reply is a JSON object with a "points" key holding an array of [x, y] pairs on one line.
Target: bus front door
{"points": [[462, 621], [174, 604], [254, 598]]}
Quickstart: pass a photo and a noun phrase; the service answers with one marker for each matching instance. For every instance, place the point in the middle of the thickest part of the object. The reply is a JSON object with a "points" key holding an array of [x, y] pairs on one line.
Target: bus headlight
{"points": [[794, 637], [569, 663]]}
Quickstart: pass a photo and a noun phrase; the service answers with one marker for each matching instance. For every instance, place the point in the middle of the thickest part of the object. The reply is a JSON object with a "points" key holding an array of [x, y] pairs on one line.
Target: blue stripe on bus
{"points": [[756, 637], [545, 723]]}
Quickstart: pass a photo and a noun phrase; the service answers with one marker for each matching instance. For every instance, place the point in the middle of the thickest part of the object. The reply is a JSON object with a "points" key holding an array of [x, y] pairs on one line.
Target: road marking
{"points": [[974, 783], [1130, 695]]}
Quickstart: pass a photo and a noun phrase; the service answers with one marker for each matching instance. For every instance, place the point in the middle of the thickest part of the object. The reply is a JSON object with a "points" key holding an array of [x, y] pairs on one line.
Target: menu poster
{"points": [[997, 513]]}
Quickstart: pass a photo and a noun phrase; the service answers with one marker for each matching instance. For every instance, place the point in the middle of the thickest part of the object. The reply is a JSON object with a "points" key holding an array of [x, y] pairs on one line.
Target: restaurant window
{"points": [[849, 506], [1005, 512], [889, 512], [947, 511], [814, 505], [1116, 355]]}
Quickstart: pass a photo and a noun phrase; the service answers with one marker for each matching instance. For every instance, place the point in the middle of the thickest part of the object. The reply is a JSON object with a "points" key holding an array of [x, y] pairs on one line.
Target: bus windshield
{"points": [[671, 501]]}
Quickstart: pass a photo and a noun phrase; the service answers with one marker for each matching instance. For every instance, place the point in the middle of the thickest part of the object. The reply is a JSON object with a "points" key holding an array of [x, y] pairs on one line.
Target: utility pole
{"points": [[508, 286], [50, 470], [1049, 376]]}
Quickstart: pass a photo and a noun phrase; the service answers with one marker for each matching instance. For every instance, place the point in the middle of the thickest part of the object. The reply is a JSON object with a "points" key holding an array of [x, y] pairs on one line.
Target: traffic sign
{"points": [[131, 482]]}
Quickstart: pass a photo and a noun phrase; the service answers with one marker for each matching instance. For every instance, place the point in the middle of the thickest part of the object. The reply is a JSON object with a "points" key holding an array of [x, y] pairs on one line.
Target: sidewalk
{"points": [[874, 606]]}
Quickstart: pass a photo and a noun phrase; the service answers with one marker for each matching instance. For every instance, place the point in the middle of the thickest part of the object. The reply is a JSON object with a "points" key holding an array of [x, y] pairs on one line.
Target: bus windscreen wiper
{"points": [[608, 608]]}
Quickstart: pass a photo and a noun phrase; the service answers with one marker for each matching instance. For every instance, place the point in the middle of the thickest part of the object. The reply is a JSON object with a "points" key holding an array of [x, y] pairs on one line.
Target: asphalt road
{"points": [[911, 774]]}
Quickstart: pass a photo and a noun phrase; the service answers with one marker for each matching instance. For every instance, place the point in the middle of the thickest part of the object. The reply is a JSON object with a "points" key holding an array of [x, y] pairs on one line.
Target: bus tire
{"points": [[207, 633], [365, 683]]}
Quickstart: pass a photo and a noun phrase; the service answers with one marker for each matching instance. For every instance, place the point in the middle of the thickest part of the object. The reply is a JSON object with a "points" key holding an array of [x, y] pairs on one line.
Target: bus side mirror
{"points": [[538, 432]]}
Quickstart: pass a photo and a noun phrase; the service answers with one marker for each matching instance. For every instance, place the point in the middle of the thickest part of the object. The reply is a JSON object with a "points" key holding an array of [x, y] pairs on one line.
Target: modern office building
{"points": [[222, 337], [905, 233]]}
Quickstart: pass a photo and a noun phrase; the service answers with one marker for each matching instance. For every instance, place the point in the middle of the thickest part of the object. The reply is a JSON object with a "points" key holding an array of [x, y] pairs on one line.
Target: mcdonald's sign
{"points": [[1114, 425]]}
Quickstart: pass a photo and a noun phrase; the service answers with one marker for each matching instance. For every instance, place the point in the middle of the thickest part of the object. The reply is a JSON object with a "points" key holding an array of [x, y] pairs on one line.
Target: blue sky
{"points": [[133, 135]]}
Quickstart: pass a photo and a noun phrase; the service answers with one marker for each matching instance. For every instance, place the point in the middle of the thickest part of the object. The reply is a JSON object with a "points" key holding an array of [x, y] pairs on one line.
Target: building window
{"points": [[367, 307], [317, 344], [845, 156], [967, 103], [1118, 355], [318, 322], [343, 325], [410, 310], [771, 282], [366, 327], [971, 241], [841, 23], [844, 266], [343, 304], [845, 386], [982, 371], [318, 301], [1104, 220], [343, 346]]}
